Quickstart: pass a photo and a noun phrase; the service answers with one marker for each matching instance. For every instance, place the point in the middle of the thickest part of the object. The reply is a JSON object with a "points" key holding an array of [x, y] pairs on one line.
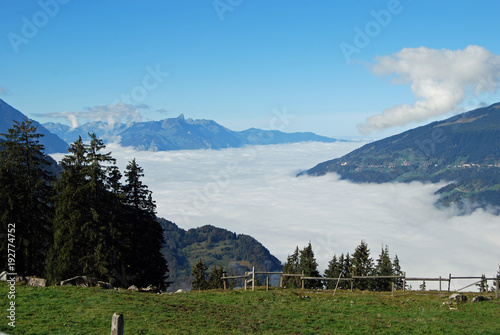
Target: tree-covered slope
{"points": [[215, 246], [464, 150]]}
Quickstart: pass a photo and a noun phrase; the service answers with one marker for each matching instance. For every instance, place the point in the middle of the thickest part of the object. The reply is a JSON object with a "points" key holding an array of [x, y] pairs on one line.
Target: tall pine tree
{"points": [[309, 267], [87, 228], [147, 263], [25, 198], [333, 271], [199, 275], [384, 268], [292, 267], [362, 265]]}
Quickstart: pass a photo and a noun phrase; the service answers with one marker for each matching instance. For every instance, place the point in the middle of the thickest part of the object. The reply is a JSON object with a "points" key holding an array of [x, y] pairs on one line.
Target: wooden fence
{"points": [[249, 277]]}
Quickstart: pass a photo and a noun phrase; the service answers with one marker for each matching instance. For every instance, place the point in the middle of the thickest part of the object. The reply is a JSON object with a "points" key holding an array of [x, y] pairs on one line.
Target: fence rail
{"points": [[403, 277]]}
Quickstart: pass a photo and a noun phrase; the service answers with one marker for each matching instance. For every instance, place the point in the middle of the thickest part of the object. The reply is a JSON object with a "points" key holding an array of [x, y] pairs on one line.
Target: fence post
{"points": [[440, 286], [267, 283], [117, 324], [224, 279], [302, 279], [281, 280], [253, 278], [449, 282], [352, 284], [404, 281], [245, 279], [392, 289]]}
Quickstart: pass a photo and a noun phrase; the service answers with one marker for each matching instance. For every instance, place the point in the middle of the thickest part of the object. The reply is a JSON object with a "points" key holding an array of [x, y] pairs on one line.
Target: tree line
{"points": [[88, 219], [344, 266]]}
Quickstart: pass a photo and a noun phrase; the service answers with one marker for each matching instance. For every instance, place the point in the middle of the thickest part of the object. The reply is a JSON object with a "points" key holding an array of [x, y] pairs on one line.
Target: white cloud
{"points": [[253, 190], [111, 114], [440, 81]]}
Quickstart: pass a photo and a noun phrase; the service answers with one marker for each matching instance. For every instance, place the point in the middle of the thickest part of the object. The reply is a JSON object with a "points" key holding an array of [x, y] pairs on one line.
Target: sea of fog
{"points": [[255, 191]]}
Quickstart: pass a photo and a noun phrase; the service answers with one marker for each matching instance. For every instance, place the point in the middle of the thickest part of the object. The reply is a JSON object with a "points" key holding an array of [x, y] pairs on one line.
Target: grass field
{"points": [[73, 310]]}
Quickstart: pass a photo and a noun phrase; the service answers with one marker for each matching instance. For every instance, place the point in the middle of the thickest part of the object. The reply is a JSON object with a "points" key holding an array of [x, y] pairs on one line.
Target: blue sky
{"points": [[241, 63]]}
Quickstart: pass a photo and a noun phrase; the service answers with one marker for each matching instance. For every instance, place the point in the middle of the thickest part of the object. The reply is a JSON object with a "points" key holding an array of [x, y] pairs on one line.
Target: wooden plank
{"points": [[376, 277]]}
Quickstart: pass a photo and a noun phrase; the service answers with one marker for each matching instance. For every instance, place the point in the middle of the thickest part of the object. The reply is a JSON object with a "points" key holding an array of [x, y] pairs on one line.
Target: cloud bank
{"points": [[112, 114], [253, 190], [440, 81]]}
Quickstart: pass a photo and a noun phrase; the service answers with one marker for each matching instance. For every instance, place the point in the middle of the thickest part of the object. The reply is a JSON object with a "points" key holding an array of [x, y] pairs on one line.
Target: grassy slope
{"points": [[71, 310]]}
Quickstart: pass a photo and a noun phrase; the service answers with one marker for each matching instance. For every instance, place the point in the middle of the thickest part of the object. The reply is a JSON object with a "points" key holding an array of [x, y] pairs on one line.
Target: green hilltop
{"points": [[237, 253]]}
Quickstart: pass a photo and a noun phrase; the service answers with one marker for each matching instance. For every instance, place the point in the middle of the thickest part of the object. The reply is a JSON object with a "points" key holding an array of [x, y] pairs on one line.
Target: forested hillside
{"points": [[463, 150], [237, 253]]}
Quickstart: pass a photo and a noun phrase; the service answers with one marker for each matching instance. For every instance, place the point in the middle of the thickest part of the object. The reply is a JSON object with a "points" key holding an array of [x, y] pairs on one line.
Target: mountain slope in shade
{"points": [[464, 149], [52, 142], [215, 246]]}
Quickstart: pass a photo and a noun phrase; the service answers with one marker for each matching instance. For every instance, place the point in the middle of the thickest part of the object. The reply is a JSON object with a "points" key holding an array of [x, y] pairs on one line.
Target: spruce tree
{"points": [[384, 268], [87, 225], [292, 267], [71, 213], [309, 267], [199, 276], [215, 278], [25, 198], [346, 270], [147, 265], [398, 282], [333, 271], [362, 265]]}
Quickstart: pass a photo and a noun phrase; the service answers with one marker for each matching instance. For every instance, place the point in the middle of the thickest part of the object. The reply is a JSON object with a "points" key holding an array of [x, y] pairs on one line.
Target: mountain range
{"points": [[52, 142], [180, 133], [463, 150], [237, 253]]}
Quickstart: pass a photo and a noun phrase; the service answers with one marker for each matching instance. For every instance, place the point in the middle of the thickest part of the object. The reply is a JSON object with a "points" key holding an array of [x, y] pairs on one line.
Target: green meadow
{"points": [[76, 310]]}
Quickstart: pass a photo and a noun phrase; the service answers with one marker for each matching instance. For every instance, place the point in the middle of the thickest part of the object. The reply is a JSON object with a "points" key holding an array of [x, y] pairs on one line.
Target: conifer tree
{"points": [[215, 278], [362, 265], [309, 267], [87, 228], [384, 268], [145, 233], [199, 276], [292, 267], [346, 270], [71, 214], [25, 198], [398, 282], [333, 271]]}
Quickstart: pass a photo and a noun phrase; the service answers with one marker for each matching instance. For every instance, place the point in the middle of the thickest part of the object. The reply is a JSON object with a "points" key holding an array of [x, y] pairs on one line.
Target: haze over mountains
{"points": [[464, 150], [180, 134]]}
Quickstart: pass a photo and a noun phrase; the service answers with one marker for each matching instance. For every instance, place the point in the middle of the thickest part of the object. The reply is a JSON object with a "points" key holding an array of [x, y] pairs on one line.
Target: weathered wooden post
{"points": [[253, 278], [440, 286], [392, 289], [117, 324], [449, 282], [404, 281], [302, 279], [224, 279], [245, 279], [267, 283], [281, 280], [352, 284]]}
